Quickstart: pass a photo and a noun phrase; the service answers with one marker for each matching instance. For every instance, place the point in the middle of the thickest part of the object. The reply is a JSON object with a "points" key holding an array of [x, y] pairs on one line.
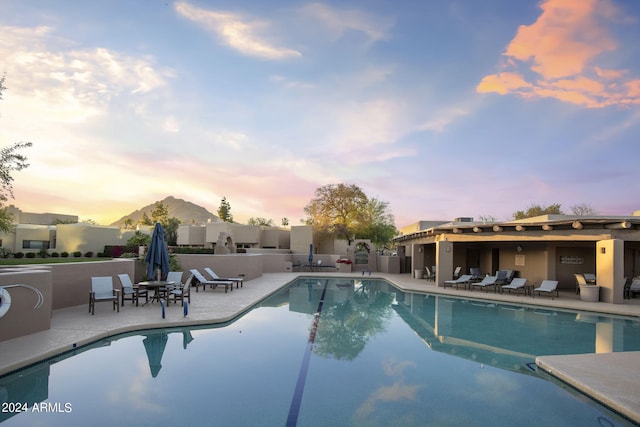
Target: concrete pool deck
{"points": [[610, 378]]}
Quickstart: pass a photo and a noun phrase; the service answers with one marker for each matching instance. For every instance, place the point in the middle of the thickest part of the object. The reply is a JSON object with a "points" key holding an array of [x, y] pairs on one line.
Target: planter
{"points": [[590, 293], [419, 274], [343, 267]]}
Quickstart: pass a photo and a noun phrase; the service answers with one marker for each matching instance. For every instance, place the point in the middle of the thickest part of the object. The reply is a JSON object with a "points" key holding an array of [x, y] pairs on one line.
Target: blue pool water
{"points": [[329, 352]]}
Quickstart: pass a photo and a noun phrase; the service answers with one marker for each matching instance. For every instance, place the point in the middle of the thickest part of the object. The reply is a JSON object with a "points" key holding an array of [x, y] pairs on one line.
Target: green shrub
{"points": [[55, 255], [43, 253], [4, 252], [77, 254], [88, 254], [64, 254], [18, 255], [31, 254]]}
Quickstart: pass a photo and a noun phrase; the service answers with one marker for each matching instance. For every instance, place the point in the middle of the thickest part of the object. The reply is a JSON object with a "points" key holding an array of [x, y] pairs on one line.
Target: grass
{"points": [[33, 261]]}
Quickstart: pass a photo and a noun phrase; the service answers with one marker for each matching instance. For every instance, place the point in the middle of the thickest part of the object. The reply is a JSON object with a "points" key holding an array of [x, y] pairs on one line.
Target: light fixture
{"points": [[603, 250], [519, 248]]}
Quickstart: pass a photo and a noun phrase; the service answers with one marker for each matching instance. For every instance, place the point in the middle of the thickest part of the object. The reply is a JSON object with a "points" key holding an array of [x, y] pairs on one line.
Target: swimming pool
{"points": [[329, 352]]}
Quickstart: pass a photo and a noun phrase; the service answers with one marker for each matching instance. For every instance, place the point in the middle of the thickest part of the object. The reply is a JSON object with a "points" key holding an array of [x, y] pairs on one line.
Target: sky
{"points": [[442, 109]]}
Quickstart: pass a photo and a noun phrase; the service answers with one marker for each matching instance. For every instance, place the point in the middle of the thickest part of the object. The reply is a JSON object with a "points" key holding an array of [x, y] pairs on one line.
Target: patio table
{"points": [[158, 286]]}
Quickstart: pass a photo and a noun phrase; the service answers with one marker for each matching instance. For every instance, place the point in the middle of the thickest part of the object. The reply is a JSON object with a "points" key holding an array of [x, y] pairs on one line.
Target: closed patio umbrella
{"points": [[158, 255], [154, 345]]}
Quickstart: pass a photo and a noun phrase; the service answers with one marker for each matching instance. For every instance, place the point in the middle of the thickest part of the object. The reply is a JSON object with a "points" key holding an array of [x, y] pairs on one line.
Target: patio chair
{"points": [[580, 281], [213, 283], [102, 290], [429, 275], [237, 280], [548, 287], [475, 273], [131, 292], [510, 275], [501, 277], [487, 282], [176, 278], [456, 272], [515, 285], [182, 292], [462, 280]]}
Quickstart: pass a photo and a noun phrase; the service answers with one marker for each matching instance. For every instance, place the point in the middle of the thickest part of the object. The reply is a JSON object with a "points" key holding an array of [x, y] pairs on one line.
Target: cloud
{"points": [[563, 55], [237, 32], [56, 83], [341, 21]]}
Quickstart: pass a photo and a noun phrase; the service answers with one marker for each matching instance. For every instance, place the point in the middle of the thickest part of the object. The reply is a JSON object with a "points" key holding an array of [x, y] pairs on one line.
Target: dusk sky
{"points": [[441, 108]]}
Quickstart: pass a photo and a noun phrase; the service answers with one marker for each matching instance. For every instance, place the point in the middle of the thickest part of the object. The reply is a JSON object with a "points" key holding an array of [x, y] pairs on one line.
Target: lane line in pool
{"points": [[294, 409]]}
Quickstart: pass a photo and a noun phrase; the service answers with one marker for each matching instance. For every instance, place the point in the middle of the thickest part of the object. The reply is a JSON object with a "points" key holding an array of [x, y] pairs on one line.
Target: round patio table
{"points": [[158, 286]]}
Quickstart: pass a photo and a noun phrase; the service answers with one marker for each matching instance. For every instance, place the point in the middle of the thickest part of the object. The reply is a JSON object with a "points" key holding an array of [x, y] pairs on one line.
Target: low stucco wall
{"points": [[72, 281], [22, 318]]}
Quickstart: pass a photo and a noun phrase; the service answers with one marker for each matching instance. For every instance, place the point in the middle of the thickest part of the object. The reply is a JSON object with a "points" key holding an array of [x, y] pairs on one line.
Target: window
{"points": [[35, 244]]}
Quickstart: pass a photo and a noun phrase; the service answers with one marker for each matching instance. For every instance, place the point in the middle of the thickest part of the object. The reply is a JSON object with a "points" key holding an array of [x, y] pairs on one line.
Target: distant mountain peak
{"points": [[187, 212]]}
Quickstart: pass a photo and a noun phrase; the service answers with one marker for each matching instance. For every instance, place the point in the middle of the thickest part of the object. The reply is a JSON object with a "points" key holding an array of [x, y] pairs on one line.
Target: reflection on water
{"points": [[378, 356]]}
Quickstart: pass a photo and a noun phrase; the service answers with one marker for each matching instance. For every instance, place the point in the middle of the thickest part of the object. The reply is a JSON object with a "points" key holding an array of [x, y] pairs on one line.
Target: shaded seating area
{"points": [[237, 280], [462, 280], [213, 283], [547, 287], [131, 292], [102, 290], [517, 285]]}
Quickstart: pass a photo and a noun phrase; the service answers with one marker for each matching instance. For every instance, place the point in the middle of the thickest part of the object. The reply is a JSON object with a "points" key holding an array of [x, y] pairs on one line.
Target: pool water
{"points": [[329, 352]]}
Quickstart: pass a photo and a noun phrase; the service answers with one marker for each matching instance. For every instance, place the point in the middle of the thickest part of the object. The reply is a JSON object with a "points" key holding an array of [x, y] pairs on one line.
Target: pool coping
{"points": [[606, 377]]}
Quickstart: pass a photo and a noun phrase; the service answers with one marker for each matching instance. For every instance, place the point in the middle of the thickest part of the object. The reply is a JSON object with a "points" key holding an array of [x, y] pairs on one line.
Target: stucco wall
{"points": [[22, 318]]}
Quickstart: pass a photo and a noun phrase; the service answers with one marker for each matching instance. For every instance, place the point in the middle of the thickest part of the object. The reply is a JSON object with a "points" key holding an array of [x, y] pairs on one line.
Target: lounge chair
{"points": [[516, 284], [429, 275], [510, 275], [501, 277], [462, 280], [475, 273], [213, 283], [487, 282], [130, 291], [580, 281], [548, 287], [237, 280], [634, 287], [182, 292], [456, 272], [102, 290]]}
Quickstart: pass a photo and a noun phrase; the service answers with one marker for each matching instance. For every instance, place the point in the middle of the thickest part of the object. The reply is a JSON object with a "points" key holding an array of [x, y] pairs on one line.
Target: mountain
{"points": [[186, 212]]}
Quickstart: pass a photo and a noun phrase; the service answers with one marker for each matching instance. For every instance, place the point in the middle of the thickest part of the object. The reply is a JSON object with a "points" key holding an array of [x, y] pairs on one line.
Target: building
{"points": [[544, 247]]}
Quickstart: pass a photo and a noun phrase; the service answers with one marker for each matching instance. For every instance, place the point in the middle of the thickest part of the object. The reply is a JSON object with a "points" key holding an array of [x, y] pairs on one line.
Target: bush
{"points": [[18, 255], [88, 254], [4, 252], [77, 254], [31, 254], [64, 254], [43, 252], [55, 254]]}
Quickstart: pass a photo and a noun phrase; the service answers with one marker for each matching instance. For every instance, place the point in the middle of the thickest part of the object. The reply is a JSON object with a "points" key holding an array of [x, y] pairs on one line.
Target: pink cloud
{"points": [[560, 54]]}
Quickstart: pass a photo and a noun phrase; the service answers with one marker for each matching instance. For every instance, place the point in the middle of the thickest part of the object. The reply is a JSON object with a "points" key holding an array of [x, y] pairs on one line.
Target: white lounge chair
{"points": [[487, 282], [580, 281], [429, 275], [548, 287], [456, 272], [102, 290], [130, 291], [516, 284], [462, 280], [213, 283], [237, 280]]}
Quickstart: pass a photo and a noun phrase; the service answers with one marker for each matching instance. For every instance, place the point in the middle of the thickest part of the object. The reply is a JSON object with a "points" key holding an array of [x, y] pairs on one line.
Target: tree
{"points": [[145, 220], [224, 211], [139, 239], [171, 230], [583, 209], [336, 210], [285, 222], [10, 161], [345, 212], [537, 210], [160, 213], [377, 223], [487, 218], [260, 221]]}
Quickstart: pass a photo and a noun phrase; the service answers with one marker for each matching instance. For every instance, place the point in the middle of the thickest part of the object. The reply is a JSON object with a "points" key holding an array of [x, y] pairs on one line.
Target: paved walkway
{"points": [[610, 378]]}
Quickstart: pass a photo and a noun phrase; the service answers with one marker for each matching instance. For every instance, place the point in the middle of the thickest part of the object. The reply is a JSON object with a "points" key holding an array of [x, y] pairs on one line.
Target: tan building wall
{"points": [[192, 235], [86, 238], [301, 238]]}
